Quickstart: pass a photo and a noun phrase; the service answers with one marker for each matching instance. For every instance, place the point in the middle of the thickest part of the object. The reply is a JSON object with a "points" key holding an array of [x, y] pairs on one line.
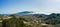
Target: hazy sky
{"points": [[38, 6]]}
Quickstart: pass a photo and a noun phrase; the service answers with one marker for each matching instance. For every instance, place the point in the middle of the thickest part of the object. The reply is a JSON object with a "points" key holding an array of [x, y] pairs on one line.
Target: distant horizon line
{"points": [[32, 13]]}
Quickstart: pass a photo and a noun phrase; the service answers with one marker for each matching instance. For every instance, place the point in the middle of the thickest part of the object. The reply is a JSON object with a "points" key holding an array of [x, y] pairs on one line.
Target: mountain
{"points": [[4, 14], [25, 12]]}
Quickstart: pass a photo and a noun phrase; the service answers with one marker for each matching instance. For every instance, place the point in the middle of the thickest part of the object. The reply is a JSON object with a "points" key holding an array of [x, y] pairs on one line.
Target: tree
{"points": [[53, 20]]}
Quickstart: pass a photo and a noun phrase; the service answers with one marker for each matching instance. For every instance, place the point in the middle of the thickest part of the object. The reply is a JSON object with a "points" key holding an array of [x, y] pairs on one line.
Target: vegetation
{"points": [[35, 20]]}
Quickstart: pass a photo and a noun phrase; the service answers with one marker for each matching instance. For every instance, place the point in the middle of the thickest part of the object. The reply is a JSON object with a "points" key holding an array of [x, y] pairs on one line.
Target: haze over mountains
{"points": [[27, 13], [21, 13]]}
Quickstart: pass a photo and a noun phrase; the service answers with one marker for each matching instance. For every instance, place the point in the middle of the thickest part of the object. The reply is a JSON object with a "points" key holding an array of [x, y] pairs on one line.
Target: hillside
{"points": [[30, 20]]}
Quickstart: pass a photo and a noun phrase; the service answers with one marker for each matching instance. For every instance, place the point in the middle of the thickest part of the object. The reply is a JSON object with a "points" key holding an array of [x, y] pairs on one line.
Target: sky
{"points": [[37, 6]]}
